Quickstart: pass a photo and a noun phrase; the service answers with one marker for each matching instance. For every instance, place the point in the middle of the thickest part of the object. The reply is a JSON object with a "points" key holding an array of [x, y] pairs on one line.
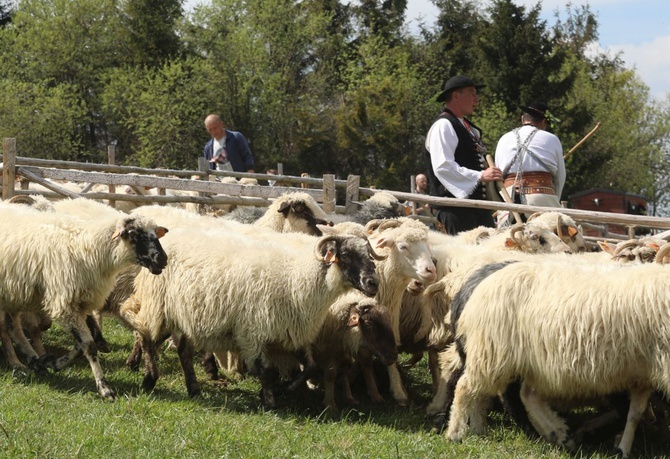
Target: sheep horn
{"points": [[536, 214], [374, 254], [389, 223], [662, 252], [621, 246], [22, 199], [372, 225], [321, 243], [515, 229]]}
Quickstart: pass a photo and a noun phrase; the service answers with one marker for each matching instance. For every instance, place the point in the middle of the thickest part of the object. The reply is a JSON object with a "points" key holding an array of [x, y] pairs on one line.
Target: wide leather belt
{"points": [[532, 183]]}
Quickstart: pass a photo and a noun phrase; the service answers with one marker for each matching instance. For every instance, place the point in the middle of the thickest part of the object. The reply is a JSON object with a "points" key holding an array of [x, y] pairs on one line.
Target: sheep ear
{"points": [[325, 229], [354, 320], [606, 247], [571, 230], [117, 233], [510, 243], [330, 257], [284, 208], [160, 231], [384, 242]]}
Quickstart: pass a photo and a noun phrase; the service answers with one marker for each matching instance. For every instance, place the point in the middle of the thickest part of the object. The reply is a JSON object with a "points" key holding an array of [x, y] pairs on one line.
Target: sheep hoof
{"points": [[40, 366], [103, 346], [193, 391], [133, 364], [439, 423], [107, 394], [403, 402], [148, 384]]}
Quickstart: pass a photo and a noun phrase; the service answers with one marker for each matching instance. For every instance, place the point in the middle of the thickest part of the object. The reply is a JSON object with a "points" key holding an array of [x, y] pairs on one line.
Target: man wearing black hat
{"points": [[456, 155], [531, 159]]}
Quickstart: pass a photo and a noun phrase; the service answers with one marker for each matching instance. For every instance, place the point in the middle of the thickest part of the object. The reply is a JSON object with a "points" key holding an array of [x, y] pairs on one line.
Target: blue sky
{"points": [[639, 29]]}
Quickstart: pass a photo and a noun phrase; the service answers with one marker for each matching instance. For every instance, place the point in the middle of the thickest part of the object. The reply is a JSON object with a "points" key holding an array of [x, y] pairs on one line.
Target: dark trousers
{"points": [[457, 219]]}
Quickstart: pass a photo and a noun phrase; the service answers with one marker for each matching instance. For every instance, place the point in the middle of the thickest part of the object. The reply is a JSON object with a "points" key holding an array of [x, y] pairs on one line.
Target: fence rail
{"points": [[206, 191]]}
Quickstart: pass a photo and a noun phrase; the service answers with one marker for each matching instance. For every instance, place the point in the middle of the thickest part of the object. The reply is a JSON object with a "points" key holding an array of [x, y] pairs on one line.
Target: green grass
{"points": [[62, 416]]}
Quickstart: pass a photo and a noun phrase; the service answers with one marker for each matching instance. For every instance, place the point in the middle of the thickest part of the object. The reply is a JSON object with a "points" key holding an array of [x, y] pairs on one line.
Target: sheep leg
{"points": [[416, 358], [208, 361], [329, 377], [96, 332], [365, 362], [639, 400], [150, 351], [464, 403], [268, 377], [7, 344], [434, 367], [346, 387], [396, 385], [15, 328], [186, 352], [133, 360], [547, 423], [76, 325]]}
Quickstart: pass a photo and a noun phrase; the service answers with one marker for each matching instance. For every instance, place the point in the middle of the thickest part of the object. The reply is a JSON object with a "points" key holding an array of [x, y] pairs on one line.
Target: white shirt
{"points": [[441, 143], [544, 145]]}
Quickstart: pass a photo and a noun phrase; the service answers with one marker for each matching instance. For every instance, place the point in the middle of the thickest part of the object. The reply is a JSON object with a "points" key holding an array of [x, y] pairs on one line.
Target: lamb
{"points": [[66, 266], [353, 323], [248, 294], [542, 323]]}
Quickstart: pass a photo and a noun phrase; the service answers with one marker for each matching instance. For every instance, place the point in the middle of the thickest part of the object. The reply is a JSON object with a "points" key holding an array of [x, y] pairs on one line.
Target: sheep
{"points": [[542, 323], [246, 294], [354, 322], [404, 242], [291, 212], [66, 267], [381, 205], [563, 226]]}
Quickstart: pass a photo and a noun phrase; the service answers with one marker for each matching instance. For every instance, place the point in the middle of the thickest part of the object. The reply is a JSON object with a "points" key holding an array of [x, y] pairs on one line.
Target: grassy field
{"points": [[62, 416]]}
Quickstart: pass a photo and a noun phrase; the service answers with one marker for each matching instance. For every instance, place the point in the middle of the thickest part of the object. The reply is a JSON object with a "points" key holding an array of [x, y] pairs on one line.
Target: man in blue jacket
{"points": [[227, 150]]}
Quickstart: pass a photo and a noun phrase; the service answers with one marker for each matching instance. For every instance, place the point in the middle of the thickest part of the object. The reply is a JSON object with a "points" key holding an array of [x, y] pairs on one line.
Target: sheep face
{"points": [[144, 242], [353, 256], [299, 211], [374, 324], [532, 239]]}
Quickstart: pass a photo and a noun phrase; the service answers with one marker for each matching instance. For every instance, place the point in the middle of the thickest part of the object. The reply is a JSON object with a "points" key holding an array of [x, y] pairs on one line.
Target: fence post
{"points": [[353, 194], [111, 160], [8, 167], [329, 195], [412, 189], [280, 168]]}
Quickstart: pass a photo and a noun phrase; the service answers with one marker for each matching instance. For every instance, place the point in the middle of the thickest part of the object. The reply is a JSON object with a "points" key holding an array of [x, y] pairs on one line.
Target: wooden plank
{"points": [[8, 167], [169, 183], [352, 194], [45, 183], [329, 195]]}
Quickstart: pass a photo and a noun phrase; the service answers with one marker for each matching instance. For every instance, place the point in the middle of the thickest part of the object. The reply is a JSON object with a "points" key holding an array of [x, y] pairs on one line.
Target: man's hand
{"points": [[491, 174]]}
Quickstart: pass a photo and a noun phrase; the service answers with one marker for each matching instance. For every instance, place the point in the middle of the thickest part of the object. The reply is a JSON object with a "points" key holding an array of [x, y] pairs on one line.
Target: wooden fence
{"points": [[324, 190]]}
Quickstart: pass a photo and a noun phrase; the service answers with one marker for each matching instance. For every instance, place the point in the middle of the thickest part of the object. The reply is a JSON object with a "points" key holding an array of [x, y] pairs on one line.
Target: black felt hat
{"points": [[537, 109], [459, 81]]}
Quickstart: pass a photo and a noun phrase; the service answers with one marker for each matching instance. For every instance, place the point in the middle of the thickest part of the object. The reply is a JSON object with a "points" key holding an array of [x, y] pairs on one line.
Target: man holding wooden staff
{"points": [[456, 158], [531, 159]]}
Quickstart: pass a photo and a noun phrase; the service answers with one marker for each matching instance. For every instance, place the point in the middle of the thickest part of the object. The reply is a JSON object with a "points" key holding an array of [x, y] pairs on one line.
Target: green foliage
{"points": [[320, 85]]}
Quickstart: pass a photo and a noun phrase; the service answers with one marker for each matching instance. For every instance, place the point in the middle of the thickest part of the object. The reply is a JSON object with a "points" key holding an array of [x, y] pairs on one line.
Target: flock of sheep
{"points": [[294, 297]]}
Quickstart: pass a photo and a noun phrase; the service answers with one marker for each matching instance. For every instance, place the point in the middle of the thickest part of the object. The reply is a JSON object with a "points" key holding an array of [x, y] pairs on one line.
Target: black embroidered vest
{"points": [[467, 154]]}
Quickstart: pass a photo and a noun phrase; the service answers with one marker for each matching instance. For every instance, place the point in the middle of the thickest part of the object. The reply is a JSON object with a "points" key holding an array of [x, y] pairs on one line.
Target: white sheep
{"points": [[246, 293], [563, 226], [66, 266], [405, 243], [568, 331]]}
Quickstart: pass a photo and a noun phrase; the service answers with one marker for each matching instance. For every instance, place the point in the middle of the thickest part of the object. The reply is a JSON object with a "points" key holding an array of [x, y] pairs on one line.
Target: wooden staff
{"points": [[565, 156], [503, 190]]}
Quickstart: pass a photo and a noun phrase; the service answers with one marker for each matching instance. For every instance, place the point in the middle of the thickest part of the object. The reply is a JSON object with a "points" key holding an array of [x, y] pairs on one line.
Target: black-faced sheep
{"points": [[66, 266], [246, 294]]}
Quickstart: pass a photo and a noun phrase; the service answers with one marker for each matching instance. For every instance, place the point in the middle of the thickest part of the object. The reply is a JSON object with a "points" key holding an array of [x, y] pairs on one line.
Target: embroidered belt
{"points": [[532, 183]]}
